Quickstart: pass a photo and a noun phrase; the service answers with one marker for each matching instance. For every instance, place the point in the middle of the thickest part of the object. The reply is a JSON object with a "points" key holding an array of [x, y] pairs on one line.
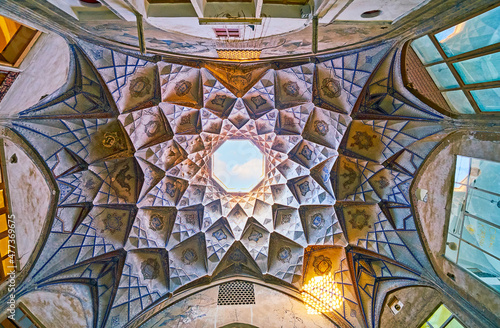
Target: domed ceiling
{"points": [[130, 141]]}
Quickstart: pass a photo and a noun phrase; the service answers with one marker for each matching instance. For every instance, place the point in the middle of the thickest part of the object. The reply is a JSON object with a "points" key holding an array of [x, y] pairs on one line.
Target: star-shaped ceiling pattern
{"points": [[129, 143]]}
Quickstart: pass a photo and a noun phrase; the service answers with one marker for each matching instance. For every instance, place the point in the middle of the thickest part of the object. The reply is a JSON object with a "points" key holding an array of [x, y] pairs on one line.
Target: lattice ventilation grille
{"points": [[236, 293], [239, 54]]}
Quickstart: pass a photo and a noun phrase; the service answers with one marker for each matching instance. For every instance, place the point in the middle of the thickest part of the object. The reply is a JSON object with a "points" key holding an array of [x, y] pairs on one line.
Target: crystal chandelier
{"points": [[321, 295]]}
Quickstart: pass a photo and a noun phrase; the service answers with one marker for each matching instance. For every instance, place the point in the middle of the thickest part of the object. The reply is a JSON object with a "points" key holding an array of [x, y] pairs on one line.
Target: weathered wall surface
{"points": [[57, 310], [272, 309], [29, 197], [418, 304], [414, 310], [45, 70], [437, 177]]}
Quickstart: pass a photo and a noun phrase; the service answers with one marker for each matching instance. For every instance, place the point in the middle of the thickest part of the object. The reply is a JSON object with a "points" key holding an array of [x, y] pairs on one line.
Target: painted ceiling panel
{"points": [[136, 188]]}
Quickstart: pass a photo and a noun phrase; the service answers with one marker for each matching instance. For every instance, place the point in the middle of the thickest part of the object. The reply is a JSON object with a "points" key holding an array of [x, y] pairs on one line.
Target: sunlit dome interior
{"points": [[249, 164]]}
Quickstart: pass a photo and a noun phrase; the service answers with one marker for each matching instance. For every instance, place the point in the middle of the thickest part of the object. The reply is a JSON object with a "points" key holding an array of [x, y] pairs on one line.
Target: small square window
{"points": [[442, 318], [227, 32]]}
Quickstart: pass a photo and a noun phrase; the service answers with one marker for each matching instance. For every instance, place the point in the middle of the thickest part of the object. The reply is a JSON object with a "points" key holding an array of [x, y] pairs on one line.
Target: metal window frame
{"points": [[449, 61], [461, 221], [447, 321], [225, 32]]}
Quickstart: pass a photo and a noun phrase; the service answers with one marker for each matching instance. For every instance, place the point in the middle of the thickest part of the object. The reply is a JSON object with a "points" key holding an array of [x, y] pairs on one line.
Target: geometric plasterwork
{"points": [[136, 189]]}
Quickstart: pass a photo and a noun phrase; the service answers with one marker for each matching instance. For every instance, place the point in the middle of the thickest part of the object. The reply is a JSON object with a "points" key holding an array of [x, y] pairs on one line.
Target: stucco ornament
{"points": [[156, 220]]}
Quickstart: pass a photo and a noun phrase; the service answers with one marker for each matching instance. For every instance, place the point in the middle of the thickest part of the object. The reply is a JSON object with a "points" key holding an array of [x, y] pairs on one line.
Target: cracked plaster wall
{"points": [[60, 310]]}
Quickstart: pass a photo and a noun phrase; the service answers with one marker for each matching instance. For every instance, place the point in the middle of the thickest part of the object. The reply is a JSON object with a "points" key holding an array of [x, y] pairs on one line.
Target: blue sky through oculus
{"points": [[238, 165]]}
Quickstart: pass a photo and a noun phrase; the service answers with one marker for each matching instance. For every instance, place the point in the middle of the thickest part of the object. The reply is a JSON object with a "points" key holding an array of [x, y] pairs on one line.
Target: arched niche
{"points": [[239, 325], [418, 303], [199, 308], [32, 196], [59, 308], [435, 178]]}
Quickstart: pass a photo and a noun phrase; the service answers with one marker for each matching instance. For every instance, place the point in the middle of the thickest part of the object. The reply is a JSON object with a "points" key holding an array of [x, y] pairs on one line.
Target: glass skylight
{"points": [[470, 82], [238, 165], [474, 226]]}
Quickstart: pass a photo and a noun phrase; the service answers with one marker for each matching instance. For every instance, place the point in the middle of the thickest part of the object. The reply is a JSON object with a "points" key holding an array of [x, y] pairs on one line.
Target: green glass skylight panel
{"points": [[488, 100], [485, 175], [458, 102], [475, 33], [483, 204], [425, 50], [480, 69], [442, 318], [439, 317], [442, 76], [462, 169], [457, 209], [482, 235], [454, 323], [474, 224], [481, 264]]}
